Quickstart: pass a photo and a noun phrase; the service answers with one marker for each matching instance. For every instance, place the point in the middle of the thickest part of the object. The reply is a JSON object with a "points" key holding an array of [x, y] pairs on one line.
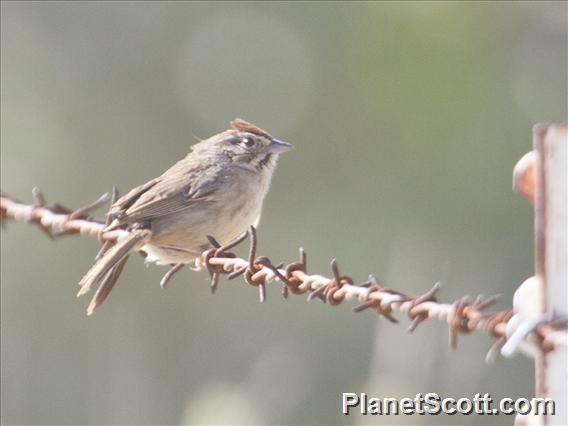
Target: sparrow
{"points": [[217, 190]]}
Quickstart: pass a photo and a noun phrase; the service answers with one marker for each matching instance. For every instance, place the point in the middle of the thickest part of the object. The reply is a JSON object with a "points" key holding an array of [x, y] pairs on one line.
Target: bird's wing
{"points": [[167, 194], [127, 200]]}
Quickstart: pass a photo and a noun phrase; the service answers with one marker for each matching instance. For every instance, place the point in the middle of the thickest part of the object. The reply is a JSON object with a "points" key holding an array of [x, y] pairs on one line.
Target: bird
{"points": [[217, 190]]}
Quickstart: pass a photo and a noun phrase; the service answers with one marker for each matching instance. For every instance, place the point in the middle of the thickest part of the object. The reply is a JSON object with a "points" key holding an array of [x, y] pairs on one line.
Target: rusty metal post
{"points": [[551, 233], [541, 176]]}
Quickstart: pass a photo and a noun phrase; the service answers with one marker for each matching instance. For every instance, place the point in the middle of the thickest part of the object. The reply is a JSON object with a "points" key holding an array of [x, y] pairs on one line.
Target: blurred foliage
{"points": [[407, 117]]}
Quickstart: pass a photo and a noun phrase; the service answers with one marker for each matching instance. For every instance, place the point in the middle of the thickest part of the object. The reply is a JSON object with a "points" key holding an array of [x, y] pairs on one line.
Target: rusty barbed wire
{"points": [[462, 317]]}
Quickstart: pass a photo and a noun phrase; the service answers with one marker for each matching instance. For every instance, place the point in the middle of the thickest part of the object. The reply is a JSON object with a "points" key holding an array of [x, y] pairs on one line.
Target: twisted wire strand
{"points": [[462, 317]]}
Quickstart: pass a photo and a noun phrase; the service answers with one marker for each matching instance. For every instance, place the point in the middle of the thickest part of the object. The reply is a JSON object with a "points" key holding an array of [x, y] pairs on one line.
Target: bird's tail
{"points": [[107, 269]]}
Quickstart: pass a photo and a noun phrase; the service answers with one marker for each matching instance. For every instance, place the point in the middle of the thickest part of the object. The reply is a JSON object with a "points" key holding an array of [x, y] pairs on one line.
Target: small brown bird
{"points": [[217, 189]]}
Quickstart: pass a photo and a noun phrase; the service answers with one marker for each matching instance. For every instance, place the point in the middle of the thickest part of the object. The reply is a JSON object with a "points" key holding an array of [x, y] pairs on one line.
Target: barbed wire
{"points": [[463, 316]]}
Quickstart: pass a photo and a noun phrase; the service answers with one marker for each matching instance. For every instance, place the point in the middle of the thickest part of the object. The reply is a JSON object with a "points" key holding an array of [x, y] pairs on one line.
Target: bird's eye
{"points": [[248, 142]]}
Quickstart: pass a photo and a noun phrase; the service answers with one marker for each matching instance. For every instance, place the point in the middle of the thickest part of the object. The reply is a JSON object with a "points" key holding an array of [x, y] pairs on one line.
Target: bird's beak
{"points": [[278, 147]]}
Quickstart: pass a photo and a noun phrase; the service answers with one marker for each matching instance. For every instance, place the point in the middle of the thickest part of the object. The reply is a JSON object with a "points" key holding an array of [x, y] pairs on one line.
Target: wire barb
{"points": [[83, 212]]}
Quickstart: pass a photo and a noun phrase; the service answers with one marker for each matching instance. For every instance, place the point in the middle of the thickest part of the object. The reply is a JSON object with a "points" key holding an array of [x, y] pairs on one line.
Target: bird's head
{"points": [[246, 145]]}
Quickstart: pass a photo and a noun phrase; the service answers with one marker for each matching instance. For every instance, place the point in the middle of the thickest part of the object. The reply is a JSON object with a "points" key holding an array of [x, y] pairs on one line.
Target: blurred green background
{"points": [[407, 118]]}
